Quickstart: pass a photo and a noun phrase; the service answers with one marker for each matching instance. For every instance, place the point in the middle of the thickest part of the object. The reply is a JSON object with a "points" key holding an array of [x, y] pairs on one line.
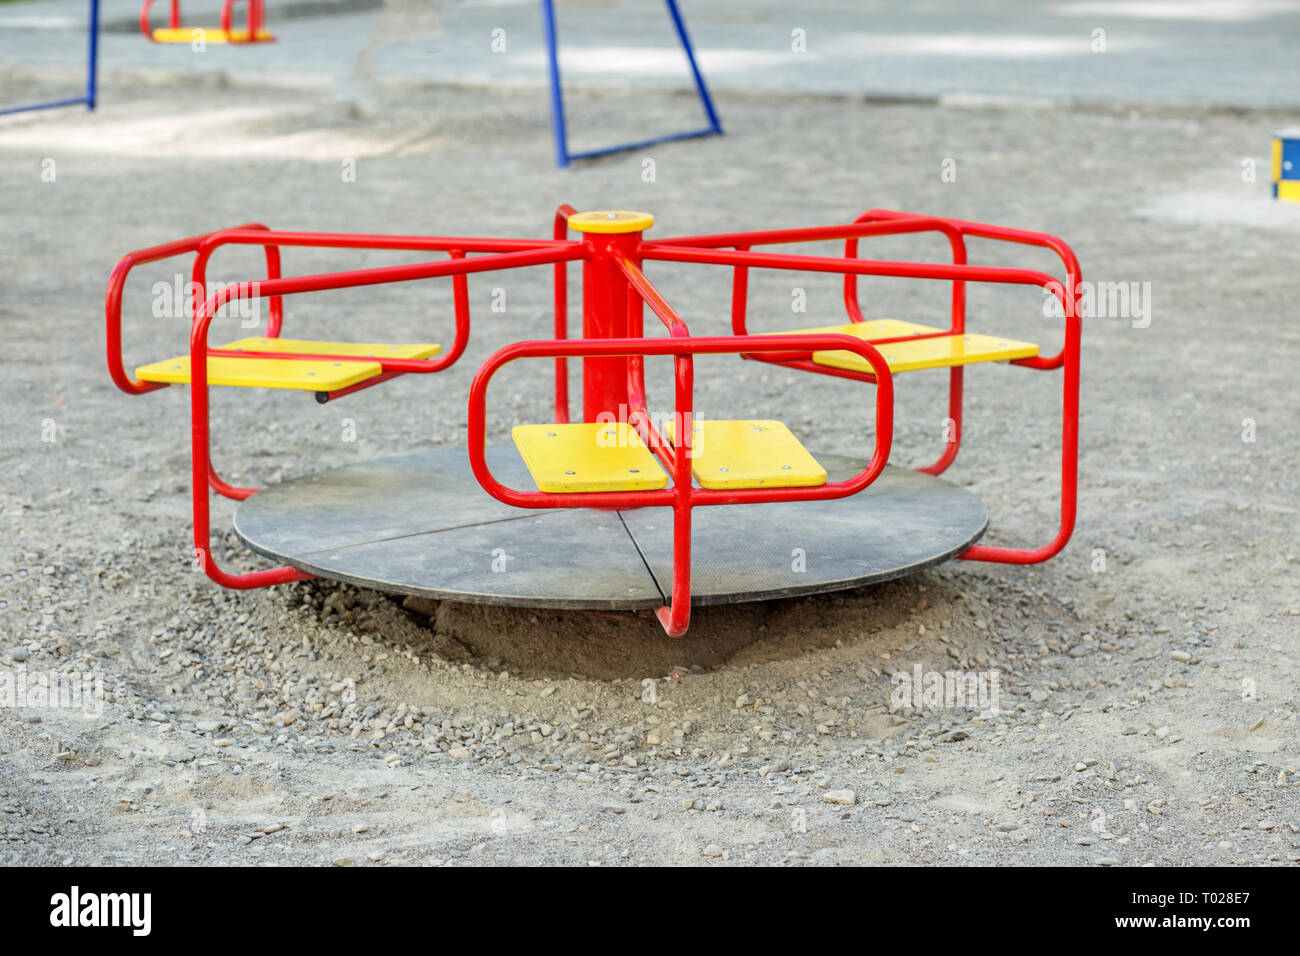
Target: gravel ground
{"points": [[1147, 674]]}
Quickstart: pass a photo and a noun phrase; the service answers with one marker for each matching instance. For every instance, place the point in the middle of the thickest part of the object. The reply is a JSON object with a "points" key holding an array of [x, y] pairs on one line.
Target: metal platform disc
{"points": [[420, 524]]}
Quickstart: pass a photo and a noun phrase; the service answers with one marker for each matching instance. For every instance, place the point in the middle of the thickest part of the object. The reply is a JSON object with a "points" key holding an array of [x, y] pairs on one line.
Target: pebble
{"points": [[19, 654], [1007, 827], [711, 851], [1108, 861], [1182, 656], [342, 861], [844, 798]]}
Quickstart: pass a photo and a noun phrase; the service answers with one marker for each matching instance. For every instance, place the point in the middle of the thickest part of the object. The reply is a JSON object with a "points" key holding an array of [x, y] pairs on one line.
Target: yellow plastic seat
{"points": [[588, 456], [941, 351], [729, 454], [209, 35], [375, 350], [316, 375]]}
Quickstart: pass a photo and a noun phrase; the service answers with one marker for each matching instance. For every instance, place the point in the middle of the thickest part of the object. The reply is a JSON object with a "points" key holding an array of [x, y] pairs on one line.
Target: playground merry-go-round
{"points": [[609, 506]]}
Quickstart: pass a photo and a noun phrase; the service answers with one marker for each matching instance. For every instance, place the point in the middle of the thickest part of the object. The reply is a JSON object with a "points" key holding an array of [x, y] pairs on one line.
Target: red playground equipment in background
{"points": [[254, 30], [614, 455]]}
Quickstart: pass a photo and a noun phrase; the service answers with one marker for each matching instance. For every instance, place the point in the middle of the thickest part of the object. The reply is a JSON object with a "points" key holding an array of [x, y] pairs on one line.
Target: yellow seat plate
{"points": [[751, 454], [376, 350], [588, 456], [943, 351], [209, 35], [316, 375]]}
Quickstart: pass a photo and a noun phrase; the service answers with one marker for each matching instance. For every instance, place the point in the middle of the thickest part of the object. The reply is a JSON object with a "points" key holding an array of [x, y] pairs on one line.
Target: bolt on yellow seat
{"points": [[940, 351], [588, 456], [209, 35], [317, 375], [727, 454]]}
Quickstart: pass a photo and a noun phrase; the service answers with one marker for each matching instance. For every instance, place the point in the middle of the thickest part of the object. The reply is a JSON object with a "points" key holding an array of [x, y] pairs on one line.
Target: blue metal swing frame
{"points": [[562, 154], [92, 74]]}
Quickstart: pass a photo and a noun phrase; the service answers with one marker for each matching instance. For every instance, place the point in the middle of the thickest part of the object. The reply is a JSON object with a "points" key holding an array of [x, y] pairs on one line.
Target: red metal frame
{"points": [[708, 249], [256, 18], [613, 348]]}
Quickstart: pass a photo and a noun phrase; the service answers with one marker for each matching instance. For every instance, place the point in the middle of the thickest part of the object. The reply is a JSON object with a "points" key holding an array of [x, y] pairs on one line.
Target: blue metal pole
{"points": [[714, 123], [92, 56], [557, 94]]}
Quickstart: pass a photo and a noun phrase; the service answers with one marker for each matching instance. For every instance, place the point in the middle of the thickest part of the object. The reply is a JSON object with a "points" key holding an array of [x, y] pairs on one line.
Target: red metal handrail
{"points": [[117, 284], [201, 466], [702, 249], [683, 496]]}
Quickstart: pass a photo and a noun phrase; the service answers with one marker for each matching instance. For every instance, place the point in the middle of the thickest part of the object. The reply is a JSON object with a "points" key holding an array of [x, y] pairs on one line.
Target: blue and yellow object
{"points": [[1286, 165]]}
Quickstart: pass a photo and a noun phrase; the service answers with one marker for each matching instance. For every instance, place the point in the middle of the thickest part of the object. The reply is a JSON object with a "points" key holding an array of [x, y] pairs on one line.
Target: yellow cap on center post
{"points": [[611, 221]]}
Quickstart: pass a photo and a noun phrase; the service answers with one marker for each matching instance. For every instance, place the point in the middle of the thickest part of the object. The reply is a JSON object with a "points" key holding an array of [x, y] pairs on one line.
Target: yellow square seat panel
{"points": [[375, 350], [209, 34], [729, 454], [942, 351], [316, 375], [588, 456]]}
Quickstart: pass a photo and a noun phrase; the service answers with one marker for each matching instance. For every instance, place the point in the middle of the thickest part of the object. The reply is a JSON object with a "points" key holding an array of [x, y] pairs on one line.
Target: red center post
{"points": [[605, 315]]}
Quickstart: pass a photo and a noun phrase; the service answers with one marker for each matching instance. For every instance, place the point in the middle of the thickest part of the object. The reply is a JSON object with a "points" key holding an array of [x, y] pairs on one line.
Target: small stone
{"points": [[711, 851], [426, 607], [1162, 732], [458, 752], [1108, 861], [1266, 824], [614, 807], [844, 798], [1181, 656], [1038, 696], [19, 654], [1007, 827], [342, 861], [361, 828]]}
